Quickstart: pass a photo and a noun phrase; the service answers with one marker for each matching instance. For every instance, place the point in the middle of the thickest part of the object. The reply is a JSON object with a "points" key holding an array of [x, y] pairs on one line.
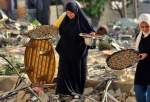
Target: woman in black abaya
{"points": [[72, 51]]}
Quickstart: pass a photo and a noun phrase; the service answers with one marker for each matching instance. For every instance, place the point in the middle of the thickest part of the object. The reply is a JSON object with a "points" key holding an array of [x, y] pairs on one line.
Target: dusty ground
{"points": [[96, 67]]}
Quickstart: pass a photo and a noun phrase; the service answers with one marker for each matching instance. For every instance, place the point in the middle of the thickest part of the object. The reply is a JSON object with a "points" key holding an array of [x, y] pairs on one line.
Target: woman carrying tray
{"points": [[72, 50], [142, 80]]}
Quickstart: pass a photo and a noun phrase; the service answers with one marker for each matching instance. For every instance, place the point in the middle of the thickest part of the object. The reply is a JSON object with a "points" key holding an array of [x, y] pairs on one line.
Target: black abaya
{"points": [[72, 52], [143, 66]]}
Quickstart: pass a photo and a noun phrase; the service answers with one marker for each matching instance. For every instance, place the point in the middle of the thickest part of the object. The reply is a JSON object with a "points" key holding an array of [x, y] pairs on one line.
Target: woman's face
{"points": [[144, 27], [70, 14]]}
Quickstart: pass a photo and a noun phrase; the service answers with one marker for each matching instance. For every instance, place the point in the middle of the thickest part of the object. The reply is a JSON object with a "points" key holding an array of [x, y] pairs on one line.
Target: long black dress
{"points": [[143, 67], [72, 52]]}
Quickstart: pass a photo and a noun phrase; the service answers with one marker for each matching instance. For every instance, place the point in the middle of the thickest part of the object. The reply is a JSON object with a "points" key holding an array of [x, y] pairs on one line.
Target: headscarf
{"points": [[145, 17], [73, 7], [70, 29], [76, 2], [78, 25]]}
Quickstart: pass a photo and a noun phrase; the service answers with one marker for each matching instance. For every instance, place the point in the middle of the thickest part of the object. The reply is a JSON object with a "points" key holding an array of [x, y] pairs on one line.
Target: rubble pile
{"points": [[121, 89], [12, 33]]}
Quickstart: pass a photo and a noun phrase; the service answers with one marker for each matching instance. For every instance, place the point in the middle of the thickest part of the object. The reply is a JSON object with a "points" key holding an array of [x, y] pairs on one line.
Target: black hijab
{"points": [[77, 25], [70, 43]]}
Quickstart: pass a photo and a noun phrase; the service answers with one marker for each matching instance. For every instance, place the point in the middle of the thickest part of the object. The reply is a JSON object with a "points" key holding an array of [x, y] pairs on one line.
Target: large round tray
{"points": [[122, 59], [85, 35]]}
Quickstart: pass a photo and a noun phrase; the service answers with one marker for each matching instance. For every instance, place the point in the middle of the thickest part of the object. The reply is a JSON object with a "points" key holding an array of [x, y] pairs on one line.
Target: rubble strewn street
{"points": [[13, 40]]}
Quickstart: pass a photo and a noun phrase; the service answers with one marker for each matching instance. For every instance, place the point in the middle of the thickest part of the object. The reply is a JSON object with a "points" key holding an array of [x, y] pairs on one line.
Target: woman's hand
{"points": [[92, 33], [53, 26], [142, 56]]}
